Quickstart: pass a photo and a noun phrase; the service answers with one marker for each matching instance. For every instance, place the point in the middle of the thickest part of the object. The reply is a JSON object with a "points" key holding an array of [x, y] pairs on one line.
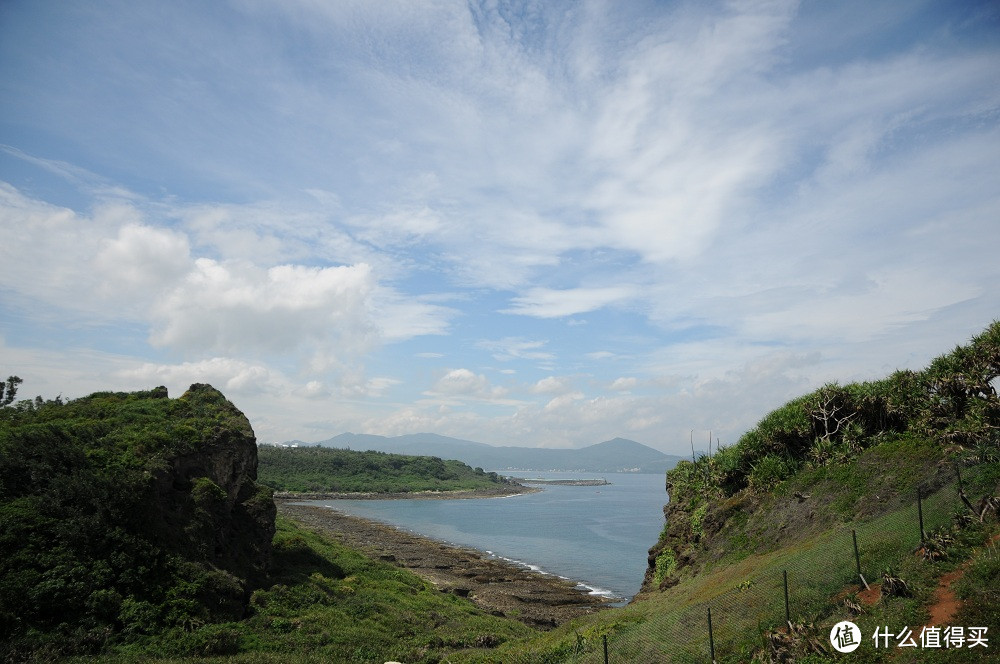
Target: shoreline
{"points": [[459, 494], [551, 482], [497, 586]]}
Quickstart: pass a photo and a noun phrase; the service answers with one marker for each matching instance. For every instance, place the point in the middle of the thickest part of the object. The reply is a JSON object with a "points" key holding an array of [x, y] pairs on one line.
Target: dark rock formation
{"points": [[210, 496]]}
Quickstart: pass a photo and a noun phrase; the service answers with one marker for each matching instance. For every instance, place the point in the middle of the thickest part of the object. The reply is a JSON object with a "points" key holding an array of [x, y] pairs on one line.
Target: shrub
{"points": [[769, 471], [666, 566]]}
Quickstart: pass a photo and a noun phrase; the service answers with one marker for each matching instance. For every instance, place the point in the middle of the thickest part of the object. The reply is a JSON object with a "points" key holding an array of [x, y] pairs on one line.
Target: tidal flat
{"points": [[499, 587]]}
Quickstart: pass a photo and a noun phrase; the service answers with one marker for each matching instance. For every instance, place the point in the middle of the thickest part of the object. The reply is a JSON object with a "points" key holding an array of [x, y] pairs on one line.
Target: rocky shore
{"points": [[498, 492], [530, 480], [501, 588]]}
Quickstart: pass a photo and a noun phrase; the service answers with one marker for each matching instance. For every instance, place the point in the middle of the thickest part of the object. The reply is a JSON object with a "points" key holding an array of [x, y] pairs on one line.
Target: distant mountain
{"points": [[618, 455]]}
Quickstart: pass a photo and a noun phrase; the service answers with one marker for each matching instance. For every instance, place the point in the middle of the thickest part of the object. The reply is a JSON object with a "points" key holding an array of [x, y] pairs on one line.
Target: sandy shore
{"points": [[540, 600]]}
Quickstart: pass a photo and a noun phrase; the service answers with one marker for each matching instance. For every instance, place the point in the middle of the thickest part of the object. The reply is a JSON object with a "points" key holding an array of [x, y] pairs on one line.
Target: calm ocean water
{"points": [[596, 536]]}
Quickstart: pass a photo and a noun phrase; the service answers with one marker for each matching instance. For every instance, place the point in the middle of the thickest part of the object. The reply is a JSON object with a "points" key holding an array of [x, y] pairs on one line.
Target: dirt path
{"points": [[539, 600], [945, 604]]}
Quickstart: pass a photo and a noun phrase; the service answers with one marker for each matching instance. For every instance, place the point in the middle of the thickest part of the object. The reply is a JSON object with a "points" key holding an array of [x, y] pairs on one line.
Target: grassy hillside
{"points": [[864, 448], [322, 469], [131, 529], [743, 584], [326, 603]]}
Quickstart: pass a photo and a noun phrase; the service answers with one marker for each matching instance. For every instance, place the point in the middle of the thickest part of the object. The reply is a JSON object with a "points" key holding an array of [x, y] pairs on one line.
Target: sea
{"points": [[597, 536]]}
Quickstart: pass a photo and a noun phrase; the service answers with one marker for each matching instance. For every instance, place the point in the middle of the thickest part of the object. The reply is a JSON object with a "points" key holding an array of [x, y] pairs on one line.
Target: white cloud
{"points": [[313, 389], [143, 260], [623, 383], [269, 232], [401, 317], [515, 348], [463, 383], [229, 375], [241, 307], [563, 402], [46, 250], [355, 385], [552, 303], [551, 385]]}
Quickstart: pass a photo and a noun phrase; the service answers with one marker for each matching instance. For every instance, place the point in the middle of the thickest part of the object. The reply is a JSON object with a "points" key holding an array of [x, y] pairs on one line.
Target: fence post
{"points": [[857, 558], [920, 515], [605, 638], [711, 637], [788, 618]]}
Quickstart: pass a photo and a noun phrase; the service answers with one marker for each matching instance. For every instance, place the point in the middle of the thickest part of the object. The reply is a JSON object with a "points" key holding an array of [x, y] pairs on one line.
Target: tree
{"points": [[8, 390]]}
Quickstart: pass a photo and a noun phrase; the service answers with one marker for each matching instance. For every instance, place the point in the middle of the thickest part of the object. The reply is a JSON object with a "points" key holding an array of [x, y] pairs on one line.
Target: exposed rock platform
{"points": [[501, 588]]}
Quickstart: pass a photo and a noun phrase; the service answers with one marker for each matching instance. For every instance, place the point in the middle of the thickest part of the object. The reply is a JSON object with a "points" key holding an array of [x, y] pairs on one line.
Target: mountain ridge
{"points": [[615, 455]]}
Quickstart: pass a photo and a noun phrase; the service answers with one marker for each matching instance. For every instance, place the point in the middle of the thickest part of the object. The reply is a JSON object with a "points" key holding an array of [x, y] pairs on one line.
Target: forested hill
{"points": [[124, 515], [326, 470]]}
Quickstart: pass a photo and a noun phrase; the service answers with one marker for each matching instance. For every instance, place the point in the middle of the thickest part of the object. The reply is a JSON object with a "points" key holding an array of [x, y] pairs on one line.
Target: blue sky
{"points": [[531, 223]]}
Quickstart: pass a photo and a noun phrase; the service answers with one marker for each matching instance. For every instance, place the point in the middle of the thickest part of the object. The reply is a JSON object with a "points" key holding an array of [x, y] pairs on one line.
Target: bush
{"points": [[769, 471], [215, 640], [666, 565]]}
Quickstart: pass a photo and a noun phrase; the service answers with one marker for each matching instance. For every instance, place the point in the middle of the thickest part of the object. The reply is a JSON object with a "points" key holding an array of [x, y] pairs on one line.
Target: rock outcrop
{"points": [[126, 513], [209, 495]]}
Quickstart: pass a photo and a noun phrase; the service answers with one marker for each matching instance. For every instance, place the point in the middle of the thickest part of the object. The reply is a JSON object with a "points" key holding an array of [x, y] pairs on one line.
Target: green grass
{"points": [[747, 596], [325, 602]]}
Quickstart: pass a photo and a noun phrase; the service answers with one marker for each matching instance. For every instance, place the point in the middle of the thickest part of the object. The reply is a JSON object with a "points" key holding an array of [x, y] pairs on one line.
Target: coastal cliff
{"points": [[126, 514], [210, 493]]}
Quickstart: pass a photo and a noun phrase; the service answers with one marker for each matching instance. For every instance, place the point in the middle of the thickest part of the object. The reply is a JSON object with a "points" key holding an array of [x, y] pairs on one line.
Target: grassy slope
{"points": [[327, 603], [744, 587], [322, 469]]}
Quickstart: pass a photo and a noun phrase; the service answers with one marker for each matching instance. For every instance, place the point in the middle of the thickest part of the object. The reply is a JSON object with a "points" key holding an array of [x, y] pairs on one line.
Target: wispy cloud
{"points": [[551, 303], [515, 348]]}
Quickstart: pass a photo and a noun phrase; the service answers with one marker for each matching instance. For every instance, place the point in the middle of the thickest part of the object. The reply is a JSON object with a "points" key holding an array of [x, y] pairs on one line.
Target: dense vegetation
{"points": [[328, 470], [949, 412], [326, 603], [110, 527], [102, 540]]}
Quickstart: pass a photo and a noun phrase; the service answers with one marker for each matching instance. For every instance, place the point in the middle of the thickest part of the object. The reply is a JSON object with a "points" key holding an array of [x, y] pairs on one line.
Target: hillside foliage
{"points": [[946, 416], [100, 540], [330, 470]]}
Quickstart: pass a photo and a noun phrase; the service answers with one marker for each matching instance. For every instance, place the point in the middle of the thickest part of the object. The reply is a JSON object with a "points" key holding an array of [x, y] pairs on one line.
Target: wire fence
{"points": [[797, 584]]}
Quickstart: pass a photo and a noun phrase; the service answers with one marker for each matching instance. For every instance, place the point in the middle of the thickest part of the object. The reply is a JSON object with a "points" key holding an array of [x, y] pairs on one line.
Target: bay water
{"points": [[597, 536]]}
